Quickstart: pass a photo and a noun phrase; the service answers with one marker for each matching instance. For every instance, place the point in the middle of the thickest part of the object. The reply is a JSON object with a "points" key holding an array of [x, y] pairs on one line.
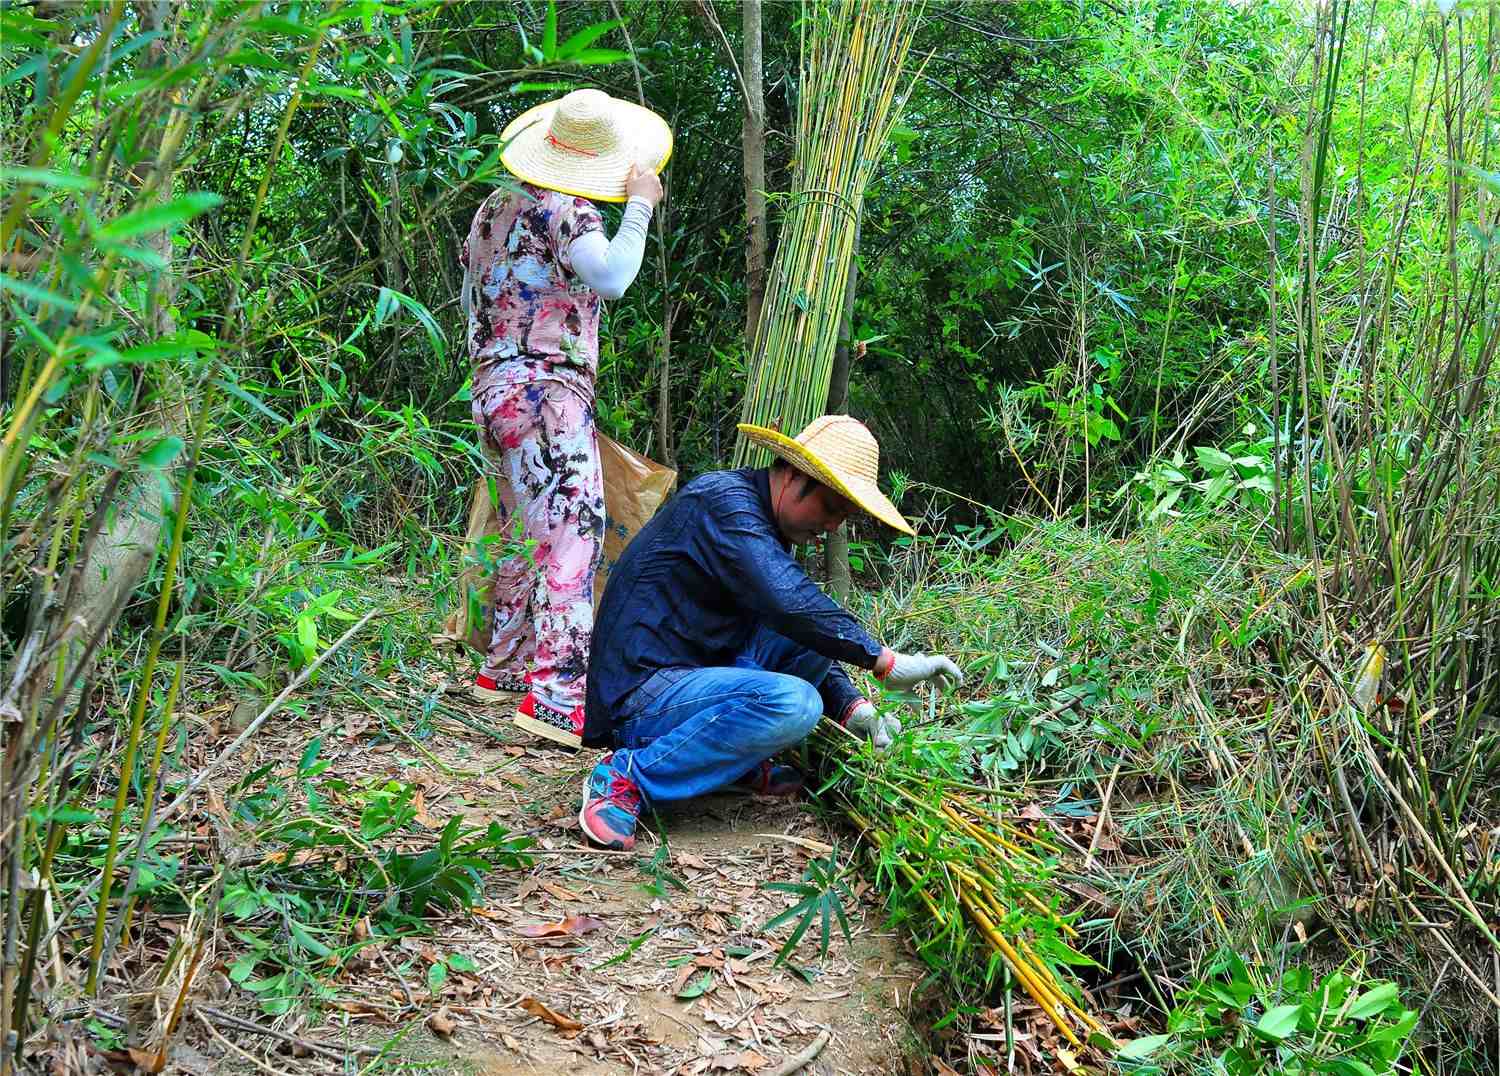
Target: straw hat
{"points": [[585, 143], [840, 453]]}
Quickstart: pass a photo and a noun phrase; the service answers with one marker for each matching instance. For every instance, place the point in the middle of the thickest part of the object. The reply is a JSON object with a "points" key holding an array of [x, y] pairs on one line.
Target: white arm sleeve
{"points": [[610, 267]]}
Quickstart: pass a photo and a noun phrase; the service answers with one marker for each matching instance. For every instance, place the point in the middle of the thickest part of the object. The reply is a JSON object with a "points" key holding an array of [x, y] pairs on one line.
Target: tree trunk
{"points": [[836, 549], [120, 558], [754, 146]]}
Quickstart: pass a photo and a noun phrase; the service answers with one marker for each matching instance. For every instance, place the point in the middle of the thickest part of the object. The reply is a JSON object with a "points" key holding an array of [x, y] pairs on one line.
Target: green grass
{"points": [[1157, 659]]}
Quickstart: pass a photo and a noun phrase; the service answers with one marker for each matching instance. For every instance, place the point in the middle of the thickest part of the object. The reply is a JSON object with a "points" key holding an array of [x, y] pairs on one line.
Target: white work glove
{"points": [[909, 670], [879, 729]]}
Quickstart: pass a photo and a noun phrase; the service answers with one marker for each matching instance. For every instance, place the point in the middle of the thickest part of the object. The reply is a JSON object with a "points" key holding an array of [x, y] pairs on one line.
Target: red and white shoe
{"points": [[539, 719], [497, 688]]}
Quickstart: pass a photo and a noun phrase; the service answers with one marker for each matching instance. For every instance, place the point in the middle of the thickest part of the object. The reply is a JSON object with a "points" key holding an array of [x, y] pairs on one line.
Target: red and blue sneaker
{"points": [[769, 780], [559, 726], [611, 805]]}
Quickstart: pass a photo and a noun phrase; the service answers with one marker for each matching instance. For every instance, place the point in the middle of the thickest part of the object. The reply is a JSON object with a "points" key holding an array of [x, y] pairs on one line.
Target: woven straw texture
{"points": [[585, 143], [839, 452]]}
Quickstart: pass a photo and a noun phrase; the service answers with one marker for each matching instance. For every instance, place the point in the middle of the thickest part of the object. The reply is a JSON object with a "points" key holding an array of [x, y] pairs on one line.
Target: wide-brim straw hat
{"points": [[585, 143], [839, 452]]}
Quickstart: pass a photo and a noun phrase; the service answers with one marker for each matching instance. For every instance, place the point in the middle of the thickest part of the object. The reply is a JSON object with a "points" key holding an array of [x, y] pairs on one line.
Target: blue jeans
{"points": [[711, 726]]}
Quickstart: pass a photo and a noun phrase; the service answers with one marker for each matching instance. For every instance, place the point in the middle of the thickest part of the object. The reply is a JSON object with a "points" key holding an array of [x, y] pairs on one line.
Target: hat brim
{"points": [[865, 495], [530, 157]]}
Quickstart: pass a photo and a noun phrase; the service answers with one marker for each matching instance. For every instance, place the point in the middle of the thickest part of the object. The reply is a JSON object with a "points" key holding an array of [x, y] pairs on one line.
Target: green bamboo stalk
{"points": [[853, 59]]}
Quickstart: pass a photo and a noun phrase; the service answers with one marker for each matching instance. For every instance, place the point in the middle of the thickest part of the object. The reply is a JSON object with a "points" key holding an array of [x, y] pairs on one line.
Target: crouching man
{"points": [[713, 650]]}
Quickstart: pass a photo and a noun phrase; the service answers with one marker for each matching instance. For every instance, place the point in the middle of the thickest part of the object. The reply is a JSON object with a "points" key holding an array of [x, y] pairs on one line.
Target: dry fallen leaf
{"points": [[423, 818], [573, 924], [558, 1020], [441, 1024], [738, 1061], [216, 805], [147, 1060], [687, 859], [560, 892]]}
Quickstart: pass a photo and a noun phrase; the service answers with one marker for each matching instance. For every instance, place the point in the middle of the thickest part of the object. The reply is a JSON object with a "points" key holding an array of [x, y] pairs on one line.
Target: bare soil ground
{"points": [[588, 962]]}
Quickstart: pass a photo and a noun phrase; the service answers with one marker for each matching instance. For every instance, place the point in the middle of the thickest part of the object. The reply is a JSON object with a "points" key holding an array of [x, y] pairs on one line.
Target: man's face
{"points": [[807, 509]]}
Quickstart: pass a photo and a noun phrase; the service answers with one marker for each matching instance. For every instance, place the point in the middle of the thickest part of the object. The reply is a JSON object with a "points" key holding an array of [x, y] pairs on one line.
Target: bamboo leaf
{"points": [[156, 218], [586, 37], [549, 32]]}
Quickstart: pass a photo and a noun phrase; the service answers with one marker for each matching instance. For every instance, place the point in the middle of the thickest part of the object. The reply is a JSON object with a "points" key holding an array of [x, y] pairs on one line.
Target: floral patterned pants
{"points": [[539, 437]]}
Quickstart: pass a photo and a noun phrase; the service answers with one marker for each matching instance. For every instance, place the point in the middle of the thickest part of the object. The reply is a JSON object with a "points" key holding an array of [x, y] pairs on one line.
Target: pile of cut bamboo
{"points": [[851, 93], [964, 864]]}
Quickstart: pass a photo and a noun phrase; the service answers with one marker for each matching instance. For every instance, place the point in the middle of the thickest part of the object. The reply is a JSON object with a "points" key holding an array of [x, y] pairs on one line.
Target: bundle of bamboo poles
{"points": [[964, 864], [852, 91]]}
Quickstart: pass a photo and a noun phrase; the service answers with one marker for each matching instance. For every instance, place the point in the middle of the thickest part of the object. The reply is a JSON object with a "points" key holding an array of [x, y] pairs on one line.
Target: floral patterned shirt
{"points": [[530, 317]]}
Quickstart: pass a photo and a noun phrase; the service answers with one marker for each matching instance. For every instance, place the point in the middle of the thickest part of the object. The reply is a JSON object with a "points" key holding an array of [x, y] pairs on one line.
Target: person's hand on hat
{"points": [[643, 183], [906, 671]]}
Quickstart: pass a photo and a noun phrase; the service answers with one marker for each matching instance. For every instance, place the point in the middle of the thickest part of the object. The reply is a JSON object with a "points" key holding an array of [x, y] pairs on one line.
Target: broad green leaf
{"points": [[460, 962], [1373, 1001], [162, 453], [697, 986], [437, 975], [1212, 460], [1136, 1049], [40, 296], [72, 816], [596, 57], [169, 347], [310, 755], [307, 941], [586, 37], [156, 218], [307, 637], [242, 968], [42, 177], [1280, 1022]]}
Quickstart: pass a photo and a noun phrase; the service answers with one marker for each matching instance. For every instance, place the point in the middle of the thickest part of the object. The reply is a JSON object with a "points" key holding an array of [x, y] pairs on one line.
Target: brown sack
{"points": [[634, 488]]}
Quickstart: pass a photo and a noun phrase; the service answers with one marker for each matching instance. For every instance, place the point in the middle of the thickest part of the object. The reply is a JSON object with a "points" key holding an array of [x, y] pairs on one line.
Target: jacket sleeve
{"points": [[838, 692], [737, 549]]}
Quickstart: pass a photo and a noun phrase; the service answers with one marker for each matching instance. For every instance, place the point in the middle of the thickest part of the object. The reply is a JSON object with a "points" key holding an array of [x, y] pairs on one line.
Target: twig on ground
{"points": [[257, 1062], [333, 1053], [802, 1057], [272, 707], [1109, 791], [411, 1002]]}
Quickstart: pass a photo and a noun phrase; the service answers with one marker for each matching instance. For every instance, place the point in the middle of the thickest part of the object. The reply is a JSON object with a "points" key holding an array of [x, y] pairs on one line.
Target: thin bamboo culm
{"points": [[852, 93]]}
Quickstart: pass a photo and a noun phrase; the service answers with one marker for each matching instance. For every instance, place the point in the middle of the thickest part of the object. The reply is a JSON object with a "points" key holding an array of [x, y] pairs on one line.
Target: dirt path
{"points": [[654, 961]]}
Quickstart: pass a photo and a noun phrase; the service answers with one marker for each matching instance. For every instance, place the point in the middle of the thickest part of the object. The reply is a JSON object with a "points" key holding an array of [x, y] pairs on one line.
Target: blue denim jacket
{"points": [[690, 590]]}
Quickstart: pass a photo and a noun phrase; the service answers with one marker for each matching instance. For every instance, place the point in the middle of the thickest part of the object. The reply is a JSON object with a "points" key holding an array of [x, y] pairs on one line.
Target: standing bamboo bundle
{"points": [[853, 56]]}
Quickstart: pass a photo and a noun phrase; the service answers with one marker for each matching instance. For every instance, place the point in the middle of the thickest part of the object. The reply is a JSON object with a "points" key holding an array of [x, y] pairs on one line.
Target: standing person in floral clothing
{"points": [[536, 265]]}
